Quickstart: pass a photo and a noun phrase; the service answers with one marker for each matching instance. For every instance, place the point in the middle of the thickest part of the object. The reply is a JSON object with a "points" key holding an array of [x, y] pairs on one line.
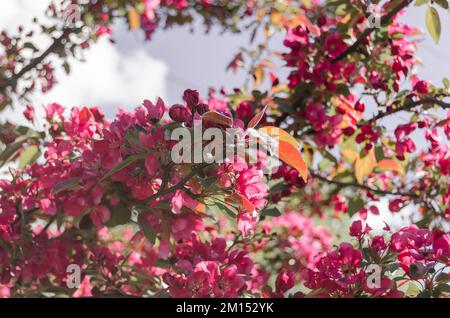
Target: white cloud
{"points": [[111, 77]]}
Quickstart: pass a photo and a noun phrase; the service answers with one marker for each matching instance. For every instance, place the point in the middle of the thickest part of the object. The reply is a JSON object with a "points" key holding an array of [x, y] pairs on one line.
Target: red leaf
{"points": [[243, 201], [257, 118], [217, 118]]}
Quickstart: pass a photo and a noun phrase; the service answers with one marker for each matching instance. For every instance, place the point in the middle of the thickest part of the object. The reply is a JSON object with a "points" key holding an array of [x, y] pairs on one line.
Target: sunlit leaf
{"points": [[258, 76], [279, 134], [364, 166], [350, 155], [134, 20], [293, 157], [28, 156], [433, 24], [392, 165]]}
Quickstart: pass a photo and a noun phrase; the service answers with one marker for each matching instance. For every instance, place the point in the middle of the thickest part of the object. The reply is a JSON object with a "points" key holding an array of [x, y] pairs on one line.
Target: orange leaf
{"points": [[134, 20], [293, 157], [200, 208], [349, 154], [258, 76], [243, 201], [391, 165]]}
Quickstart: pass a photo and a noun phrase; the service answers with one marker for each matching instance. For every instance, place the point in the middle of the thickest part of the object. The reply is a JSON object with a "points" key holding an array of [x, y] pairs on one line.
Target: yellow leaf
{"points": [[350, 155], [275, 18], [346, 19], [309, 153], [364, 166], [134, 20], [279, 134], [258, 76], [392, 165]]}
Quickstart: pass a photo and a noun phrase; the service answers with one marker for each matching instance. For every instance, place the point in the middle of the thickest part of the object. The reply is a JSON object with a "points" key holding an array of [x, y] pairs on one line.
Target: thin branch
{"points": [[37, 60], [163, 191], [408, 106], [383, 21], [362, 186]]}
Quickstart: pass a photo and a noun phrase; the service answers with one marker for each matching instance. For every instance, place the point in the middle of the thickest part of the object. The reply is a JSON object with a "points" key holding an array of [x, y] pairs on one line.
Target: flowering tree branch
{"points": [[363, 187], [12, 81], [361, 38], [409, 106]]}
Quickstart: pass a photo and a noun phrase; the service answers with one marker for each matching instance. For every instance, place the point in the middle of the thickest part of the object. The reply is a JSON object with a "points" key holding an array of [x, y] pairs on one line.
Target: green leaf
{"points": [[123, 164], [119, 215], [270, 212], [66, 67], [419, 3], [28, 156], [146, 228], [279, 187], [446, 83], [442, 3], [10, 150], [354, 205], [443, 278], [227, 210], [433, 24], [413, 290], [71, 183], [325, 164], [371, 255], [379, 153]]}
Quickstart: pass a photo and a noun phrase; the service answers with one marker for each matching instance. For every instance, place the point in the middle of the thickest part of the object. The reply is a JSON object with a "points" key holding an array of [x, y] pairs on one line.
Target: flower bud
{"points": [[191, 98], [284, 282], [201, 108], [360, 107], [179, 113], [244, 110]]}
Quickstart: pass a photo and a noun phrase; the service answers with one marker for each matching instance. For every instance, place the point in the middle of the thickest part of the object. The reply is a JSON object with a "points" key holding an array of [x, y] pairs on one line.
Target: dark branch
{"points": [[383, 22], [409, 106], [37, 60], [364, 187]]}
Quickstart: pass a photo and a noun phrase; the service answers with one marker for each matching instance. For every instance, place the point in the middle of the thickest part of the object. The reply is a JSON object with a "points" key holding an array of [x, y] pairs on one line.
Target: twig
{"points": [[409, 106], [363, 186], [384, 21]]}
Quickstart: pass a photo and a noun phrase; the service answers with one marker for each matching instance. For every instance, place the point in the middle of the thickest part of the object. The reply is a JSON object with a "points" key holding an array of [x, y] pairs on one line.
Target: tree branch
{"points": [[364, 187], [37, 60], [163, 191], [408, 106], [384, 21]]}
